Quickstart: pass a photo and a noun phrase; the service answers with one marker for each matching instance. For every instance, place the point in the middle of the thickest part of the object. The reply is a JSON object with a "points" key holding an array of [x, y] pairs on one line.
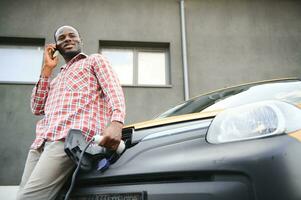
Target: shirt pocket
{"points": [[77, 80]]}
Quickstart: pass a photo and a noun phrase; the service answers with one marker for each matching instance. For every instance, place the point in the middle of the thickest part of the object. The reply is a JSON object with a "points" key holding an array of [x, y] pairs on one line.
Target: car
{"points": [[236, 143]]}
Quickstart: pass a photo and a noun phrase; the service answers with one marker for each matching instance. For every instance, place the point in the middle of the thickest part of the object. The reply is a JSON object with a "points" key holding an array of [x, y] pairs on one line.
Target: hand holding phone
{"points": [[55, 53], [50, 60]]}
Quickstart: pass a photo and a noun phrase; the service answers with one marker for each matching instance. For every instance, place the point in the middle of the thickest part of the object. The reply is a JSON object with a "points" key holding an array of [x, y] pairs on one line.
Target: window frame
{"points": [[136, 48]]}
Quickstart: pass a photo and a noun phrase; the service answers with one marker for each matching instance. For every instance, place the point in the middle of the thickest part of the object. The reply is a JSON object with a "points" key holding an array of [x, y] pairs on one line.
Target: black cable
{"points": [[77, 169]]}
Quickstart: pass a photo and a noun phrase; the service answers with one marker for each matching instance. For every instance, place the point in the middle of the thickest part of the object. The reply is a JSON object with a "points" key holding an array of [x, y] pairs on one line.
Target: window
{"points": [[20, 59], [139, 63], [122, 61]]}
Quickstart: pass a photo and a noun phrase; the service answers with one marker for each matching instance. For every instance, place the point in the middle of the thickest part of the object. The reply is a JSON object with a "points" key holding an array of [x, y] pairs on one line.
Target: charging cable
{"points": [[77, 169], [96, 139]]}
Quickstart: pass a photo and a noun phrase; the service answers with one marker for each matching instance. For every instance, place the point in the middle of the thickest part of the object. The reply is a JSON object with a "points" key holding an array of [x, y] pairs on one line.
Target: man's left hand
{"points": [[112, 135]]}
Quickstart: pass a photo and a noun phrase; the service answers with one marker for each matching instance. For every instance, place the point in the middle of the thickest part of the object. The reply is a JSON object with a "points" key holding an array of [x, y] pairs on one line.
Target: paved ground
{"points": [[8, 192]]}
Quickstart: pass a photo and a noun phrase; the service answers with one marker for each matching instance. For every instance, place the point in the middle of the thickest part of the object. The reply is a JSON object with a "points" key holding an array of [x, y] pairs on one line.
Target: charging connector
{"points": [[103, 164], [120, 149]]}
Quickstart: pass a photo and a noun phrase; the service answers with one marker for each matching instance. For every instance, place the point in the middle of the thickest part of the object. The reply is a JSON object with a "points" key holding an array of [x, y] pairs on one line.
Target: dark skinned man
{"points": [[85, 95]]}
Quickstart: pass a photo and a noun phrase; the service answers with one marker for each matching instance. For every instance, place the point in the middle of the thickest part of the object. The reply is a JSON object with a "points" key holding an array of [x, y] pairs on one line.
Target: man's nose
{"points": [[67, 39]]}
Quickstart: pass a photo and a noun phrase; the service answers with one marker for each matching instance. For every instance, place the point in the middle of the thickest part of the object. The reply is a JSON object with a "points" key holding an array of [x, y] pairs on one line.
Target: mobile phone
{"points": [[55, 53]]}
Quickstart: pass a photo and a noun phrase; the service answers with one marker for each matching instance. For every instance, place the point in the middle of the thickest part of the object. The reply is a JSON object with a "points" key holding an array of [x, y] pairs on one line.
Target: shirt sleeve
{"points": [[111, 87], [39, 96]]}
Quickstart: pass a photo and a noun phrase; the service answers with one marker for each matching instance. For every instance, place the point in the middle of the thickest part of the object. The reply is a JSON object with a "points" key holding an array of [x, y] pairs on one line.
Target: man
{"points": [[85, 95]]}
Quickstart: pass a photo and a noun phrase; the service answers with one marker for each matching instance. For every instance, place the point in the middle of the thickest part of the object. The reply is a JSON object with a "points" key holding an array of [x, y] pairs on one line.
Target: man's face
{"points": [[68, 41]]}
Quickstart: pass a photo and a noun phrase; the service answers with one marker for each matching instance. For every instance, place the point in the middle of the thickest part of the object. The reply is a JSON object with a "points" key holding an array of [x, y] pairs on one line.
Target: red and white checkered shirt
{"points": [[85, 95]]}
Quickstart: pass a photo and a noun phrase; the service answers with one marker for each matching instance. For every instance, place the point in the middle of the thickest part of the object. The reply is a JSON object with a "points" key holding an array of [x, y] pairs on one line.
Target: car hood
{"points": [[174, 119]]}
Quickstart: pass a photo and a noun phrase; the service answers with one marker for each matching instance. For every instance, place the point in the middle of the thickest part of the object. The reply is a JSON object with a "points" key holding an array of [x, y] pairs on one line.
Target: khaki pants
{"points": [[46, 170]]}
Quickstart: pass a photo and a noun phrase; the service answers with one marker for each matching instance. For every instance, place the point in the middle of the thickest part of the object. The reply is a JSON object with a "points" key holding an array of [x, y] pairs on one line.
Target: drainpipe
{"points": [[184, 50]]}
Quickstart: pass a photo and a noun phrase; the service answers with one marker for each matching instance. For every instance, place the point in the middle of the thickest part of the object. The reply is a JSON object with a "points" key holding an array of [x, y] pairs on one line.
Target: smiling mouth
{"points": [[68, 46]]}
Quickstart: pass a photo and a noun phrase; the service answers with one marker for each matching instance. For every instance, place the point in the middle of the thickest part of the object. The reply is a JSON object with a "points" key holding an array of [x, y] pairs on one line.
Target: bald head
{"points": [[68, 42], [61, 30]]}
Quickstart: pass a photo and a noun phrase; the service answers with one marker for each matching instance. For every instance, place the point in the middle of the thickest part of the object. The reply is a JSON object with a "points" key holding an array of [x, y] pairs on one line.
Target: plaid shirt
{"points": [[85, 95]]}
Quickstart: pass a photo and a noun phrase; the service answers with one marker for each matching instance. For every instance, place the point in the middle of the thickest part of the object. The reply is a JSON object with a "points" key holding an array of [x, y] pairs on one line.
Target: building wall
{"points": [[236, 41], [229, 42], [126, 20]]}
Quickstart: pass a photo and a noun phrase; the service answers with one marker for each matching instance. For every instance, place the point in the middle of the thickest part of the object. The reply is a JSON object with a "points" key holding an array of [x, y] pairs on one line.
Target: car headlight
{"points": [[254, 120]]}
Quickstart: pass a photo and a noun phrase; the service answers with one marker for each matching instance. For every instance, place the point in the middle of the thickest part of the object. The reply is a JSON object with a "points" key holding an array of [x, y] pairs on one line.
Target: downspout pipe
{"points": [[184, 50]]}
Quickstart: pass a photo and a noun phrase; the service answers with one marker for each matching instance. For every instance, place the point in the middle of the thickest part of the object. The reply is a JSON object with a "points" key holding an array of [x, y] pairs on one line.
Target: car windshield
{"points": [[288, 91]]}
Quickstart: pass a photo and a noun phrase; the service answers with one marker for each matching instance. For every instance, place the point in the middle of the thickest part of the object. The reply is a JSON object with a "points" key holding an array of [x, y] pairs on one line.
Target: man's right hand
{"points": [[50, 62]]}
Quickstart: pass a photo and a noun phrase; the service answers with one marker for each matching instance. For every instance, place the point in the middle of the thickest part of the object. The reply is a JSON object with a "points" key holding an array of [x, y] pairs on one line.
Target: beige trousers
{"points": [[46, 170]]}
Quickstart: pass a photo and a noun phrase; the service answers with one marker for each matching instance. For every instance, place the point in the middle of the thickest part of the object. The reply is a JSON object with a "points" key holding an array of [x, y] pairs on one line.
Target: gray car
{"points": [[238, 143]]}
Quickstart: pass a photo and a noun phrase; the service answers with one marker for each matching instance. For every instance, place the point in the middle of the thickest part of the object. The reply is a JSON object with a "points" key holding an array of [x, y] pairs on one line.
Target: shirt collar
{"points": [[74, 59]]}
